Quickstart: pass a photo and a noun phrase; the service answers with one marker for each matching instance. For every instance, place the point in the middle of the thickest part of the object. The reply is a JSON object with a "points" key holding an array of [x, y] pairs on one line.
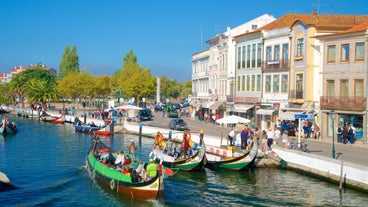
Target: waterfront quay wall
{"points": [[337, 171]]}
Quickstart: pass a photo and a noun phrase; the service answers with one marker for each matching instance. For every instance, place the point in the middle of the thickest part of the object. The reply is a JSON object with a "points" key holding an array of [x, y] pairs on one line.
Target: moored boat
{"points": [[196, 160], [92, 128], [230, 159], [7, 127], [52, 119], [121, 183]]}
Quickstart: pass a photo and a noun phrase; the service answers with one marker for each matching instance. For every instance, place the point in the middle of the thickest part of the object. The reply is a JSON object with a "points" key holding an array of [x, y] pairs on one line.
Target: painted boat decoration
{"points": [[121, 183], [196, 161], [230, 159], [52, 119]]}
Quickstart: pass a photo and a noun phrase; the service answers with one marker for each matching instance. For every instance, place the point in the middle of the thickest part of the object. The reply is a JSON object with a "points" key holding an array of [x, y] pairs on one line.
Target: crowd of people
{"points": [[128, 164], [176, 149]]}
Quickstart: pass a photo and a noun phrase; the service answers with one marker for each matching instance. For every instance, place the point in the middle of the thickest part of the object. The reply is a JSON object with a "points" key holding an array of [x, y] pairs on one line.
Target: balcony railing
{"points": [[343, 102], [295, 94], [281, 64]]}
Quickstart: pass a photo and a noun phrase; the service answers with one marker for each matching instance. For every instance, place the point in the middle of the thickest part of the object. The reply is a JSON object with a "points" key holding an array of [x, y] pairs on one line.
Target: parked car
{"points": [[159, 107], [178, 124], [145, 115]]}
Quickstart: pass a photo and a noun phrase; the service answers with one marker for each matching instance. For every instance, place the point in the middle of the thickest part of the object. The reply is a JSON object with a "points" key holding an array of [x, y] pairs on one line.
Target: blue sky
{"points": [[164, 34]]}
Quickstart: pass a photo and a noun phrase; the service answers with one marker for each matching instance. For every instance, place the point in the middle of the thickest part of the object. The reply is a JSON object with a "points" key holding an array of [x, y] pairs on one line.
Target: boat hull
{"points": [[122, 184]]}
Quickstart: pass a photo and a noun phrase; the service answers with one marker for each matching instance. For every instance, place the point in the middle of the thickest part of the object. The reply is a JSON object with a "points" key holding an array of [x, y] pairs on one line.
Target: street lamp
{"points": [[333, 117]]}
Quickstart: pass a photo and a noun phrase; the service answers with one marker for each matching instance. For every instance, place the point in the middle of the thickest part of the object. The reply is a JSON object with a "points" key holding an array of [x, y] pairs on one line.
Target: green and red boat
{"points": [[230, 159], [121, 183]]}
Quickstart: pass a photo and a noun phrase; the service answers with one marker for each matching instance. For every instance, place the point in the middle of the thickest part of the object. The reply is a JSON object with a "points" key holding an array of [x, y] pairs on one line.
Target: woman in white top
{"points": [[270, 136]]}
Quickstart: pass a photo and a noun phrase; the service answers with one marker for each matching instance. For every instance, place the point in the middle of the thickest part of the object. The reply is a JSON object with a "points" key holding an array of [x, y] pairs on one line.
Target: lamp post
{"points": [[333, 117]]}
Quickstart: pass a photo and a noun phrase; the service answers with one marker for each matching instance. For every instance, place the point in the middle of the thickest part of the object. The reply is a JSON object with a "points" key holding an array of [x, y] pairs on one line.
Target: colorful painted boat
{"points": [[196, 161], [230, 159], [52, 119], [120, 183], [7, 127], [93, 129]]}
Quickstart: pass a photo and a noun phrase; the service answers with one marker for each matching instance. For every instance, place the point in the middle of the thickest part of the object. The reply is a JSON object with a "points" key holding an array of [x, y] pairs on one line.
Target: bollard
{"points": [[85, 118], [140, 134], [112, 125], [170, 134]]}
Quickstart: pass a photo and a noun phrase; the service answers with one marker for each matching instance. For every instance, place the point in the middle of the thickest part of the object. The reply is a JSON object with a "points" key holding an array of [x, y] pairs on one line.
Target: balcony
{"points": [[343, 102], [295, 94], [281, 64]]}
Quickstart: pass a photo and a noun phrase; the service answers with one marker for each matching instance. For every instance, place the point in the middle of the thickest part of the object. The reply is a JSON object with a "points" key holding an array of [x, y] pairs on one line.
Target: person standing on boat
{"points": [[132, 149], [151, 169], [158, 139], [232, 136], [186, 140], [244, 136], [270, 135]]}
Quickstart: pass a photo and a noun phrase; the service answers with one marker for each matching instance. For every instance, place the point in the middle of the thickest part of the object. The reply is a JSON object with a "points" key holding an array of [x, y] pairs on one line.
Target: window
{"points": [[268, 53], [248, 56], [285, 51], [359, 51], [299, 85], [345, 52], [330, 88], [248, 83], [358, 88], [238, 84], [253, 85], [243, 57], [276, 55], [331, 53], [276, 83], [268, 83], [253, 55], [254, 26], [258, 85], [284, 83], [259, 55], [243, 83], [239, 57], [300, 47], [344, 88]]}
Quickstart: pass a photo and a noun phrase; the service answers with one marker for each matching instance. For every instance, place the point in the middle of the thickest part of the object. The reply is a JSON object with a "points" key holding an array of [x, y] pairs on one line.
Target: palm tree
{"points": [[41, 91]]}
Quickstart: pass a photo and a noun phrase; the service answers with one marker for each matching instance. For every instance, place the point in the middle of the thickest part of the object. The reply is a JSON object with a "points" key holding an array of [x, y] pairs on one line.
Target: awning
{"points": [[265, 111], [288, 116], [216, 104], [242, 108], [206, 104]]}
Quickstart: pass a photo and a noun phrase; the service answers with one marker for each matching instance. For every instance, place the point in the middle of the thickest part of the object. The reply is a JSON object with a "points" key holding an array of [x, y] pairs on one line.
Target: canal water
{"points": [[47, 164]]}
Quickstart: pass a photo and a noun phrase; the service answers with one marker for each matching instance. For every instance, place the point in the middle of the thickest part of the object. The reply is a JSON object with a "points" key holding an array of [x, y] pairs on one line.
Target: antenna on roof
{"points": [[318, 5]]}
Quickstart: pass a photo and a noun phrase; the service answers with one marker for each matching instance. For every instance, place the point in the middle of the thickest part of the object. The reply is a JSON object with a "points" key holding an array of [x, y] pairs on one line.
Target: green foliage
{"points": [[42, 91], [69, 61], [129, 58], [170, 88], [135, 81], [186, 89]]}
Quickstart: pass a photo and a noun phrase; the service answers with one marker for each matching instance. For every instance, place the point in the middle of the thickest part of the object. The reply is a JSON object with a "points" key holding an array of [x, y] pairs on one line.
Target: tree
{"points": [[130, 57], [135, 81], [42, 91], [69, 61], [170, 88], [186, 89]]}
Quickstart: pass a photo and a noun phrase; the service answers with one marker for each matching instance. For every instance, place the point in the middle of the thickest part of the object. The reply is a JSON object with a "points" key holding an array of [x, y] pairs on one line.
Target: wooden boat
{"points": [[196, 161], [118, 182], [3, 111], [7, 127], [52, 119], [91, 128], [230, 159]]}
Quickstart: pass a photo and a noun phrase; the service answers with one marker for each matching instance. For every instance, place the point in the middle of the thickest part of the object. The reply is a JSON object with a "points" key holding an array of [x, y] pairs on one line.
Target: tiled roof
{"points": [[318, 20], [360, 28]]}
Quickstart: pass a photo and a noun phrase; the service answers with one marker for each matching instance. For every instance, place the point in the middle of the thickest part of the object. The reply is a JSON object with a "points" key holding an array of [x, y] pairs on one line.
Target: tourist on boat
{"points": [[285, 138], [232, 137], [270, 135], [132, 148], [119, 158], [244, 136], [169, 146], [151, 169], [186, 146], [158, 139]]}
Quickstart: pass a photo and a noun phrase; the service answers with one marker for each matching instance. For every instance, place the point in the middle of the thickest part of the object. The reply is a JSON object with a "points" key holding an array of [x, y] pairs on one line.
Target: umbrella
{"points": [[233, 119], [128, 107]]}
